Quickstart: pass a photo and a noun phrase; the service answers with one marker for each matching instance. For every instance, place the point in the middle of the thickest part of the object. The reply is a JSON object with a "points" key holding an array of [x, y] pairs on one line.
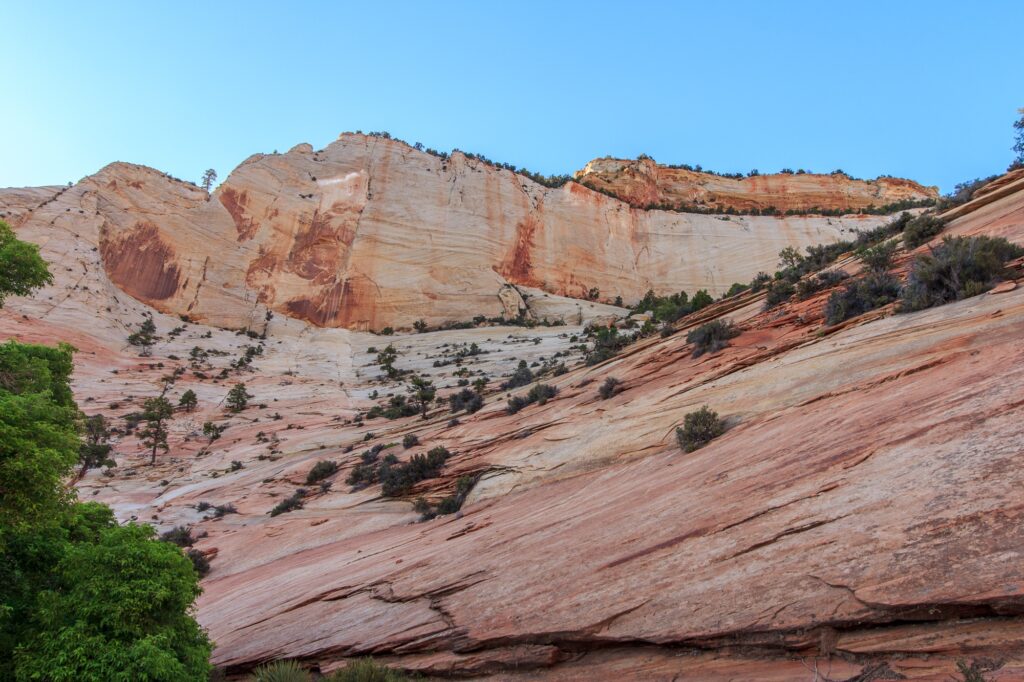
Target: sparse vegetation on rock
{"points": [[699, 428], [712, 336], [958, 268]]}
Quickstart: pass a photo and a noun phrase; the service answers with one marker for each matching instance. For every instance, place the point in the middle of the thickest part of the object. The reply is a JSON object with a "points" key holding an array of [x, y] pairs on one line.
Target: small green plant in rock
{"points": [[699, 428]]}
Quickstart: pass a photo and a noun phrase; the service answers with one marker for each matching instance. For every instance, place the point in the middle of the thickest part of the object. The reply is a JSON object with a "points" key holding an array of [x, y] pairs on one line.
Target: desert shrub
{"points": [[448, 505], [699, 428], [521, 377], [321, 470], [539, 394], [958, 268], [666, 308], [179, 535], [701, 299], [212, 431], [610, 387], [878, 257], [711, 337], [367, 471], [410, 440], [779, 291], [809, 286], [736, 288], [607, 342], [199, 562], [760, 281], [397, 478], [290, 503], [281, 671], [921, 229], [467, 399], [871, 291], [892, 228], [223, 510], [366, 670]]}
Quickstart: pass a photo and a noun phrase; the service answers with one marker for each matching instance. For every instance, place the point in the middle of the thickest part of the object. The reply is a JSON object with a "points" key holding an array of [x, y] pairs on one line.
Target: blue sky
{"points": [[927, 90]]}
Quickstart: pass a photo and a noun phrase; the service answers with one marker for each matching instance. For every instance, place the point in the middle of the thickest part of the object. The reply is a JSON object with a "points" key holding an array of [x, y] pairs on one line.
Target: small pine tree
{"points": [[144, 337], [155, 412], [238, 398], [188, 400], [423, 391], [212, 431], [209, 177], [386, 360], [1018, 146]]}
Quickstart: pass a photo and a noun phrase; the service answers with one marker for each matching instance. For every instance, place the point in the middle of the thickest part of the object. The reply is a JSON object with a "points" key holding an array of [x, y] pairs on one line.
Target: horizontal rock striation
{"points": [[370, 232], [642, 182]]}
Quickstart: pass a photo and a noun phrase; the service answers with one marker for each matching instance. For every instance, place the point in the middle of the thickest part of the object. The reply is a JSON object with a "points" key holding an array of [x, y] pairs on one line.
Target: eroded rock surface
{"points": [[370, 232], [642, 182], [860, 518]]}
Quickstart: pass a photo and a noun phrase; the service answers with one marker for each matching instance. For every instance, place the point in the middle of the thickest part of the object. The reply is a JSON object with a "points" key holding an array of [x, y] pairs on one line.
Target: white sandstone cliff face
{"points": [[370, 232]]}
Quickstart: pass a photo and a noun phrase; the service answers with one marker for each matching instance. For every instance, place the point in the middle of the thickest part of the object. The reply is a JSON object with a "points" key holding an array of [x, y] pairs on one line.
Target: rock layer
{"points": [[371, 232], [642, 182]]}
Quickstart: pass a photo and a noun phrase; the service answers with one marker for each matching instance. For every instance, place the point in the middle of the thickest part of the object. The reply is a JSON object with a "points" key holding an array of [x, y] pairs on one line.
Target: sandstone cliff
{"points": [[371, 232], [860, 517], [642, 182]]}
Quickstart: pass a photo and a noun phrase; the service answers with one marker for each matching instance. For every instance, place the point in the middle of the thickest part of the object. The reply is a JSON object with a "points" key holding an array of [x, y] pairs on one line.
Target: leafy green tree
{"points": [[188, 400], [80, 598], [144, 337], [701, 299], [155, 412], [95, 449], [118, 610], [238, 398], [22, 270]]}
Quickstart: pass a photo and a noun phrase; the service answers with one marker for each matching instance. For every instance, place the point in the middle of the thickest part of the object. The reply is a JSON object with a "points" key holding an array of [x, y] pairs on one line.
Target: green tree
{"points": [[95, 449], [188, 400], [155, 412], [1018, 145], [238, 398], [80, 598], [423, 391], [209, 177], [22, 270], [212, 431], [701, 299], [386, 360], [118, 610], [144, 337]]}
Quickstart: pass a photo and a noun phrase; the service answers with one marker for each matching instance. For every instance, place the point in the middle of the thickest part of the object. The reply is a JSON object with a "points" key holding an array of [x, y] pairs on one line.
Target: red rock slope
{"points": [[859, 520]]}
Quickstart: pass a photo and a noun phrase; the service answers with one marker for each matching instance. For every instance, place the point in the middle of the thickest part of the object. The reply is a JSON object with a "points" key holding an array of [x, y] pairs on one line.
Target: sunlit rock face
{"points": [[860, 516], [642, 182], [370, 233]]}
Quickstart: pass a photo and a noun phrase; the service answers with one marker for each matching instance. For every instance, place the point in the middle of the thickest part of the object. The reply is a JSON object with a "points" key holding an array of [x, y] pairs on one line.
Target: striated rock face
{"points": [[860, 517], [370, 233], [642, 182]]}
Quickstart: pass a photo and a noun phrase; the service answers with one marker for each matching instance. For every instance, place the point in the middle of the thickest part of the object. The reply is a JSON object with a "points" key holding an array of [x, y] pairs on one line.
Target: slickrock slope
{"points": [[642, 182], [370, 233], [859, 520]]}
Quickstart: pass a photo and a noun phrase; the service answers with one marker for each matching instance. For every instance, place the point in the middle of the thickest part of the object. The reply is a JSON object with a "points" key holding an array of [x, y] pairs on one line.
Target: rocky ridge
{"points": [[371, 233]]}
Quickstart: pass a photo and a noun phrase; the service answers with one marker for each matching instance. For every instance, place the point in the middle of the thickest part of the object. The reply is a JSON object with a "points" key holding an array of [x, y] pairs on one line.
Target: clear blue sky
{"points": [[927, 90]]}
